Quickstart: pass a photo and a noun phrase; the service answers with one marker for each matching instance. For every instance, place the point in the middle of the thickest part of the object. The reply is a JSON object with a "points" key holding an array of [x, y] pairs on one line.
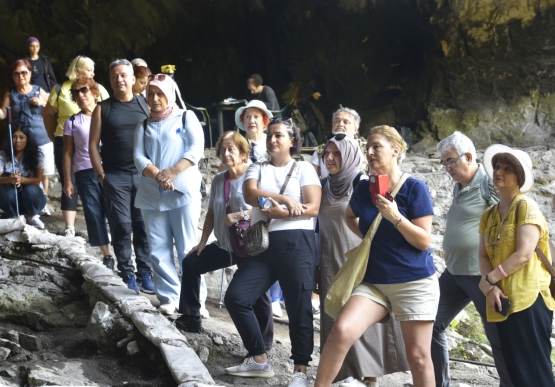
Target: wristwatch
{"points": [[246, 215]]}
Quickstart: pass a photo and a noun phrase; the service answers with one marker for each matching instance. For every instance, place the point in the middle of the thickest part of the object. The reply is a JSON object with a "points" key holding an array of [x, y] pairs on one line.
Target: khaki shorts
{"points": [[48, 159], [408, 301]]}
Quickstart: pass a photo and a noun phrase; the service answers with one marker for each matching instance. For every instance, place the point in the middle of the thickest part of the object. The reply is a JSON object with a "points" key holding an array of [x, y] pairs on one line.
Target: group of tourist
{"points": [[133, 159]]}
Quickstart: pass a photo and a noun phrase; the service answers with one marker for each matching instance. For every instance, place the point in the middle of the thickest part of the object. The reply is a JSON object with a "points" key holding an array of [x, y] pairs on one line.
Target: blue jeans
{"points": [[31, 199], [92, 196]]}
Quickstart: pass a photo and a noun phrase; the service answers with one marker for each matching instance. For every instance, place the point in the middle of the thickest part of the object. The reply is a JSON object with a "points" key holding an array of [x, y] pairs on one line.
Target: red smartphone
{"points": [[379, 184]]}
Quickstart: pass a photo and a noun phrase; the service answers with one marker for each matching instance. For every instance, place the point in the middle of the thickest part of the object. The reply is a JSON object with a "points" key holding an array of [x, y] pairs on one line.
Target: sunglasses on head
{"points": [[19, 73], [82, 90], [281, 120], [338, 136], [158, 77]]}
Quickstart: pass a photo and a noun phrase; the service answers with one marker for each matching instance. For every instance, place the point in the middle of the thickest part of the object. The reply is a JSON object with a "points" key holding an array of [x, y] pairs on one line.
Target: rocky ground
{"points": [[56, 330]]}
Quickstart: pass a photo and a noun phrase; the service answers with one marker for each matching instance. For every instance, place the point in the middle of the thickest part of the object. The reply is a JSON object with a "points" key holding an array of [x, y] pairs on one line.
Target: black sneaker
{"points": [[189, 323], [108, 261]]}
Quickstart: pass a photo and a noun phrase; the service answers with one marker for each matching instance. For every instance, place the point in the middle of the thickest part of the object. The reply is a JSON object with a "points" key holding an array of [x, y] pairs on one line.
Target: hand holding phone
{"points": [[379, 184], [505, 305]]}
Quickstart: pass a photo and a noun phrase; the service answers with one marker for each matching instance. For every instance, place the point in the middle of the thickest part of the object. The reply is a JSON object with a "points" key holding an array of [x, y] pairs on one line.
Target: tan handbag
{"points": [[352, 272]]}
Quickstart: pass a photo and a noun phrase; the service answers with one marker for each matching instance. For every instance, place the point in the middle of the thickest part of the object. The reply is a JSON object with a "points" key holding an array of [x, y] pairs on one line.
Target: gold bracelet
{"points": [[399, 222]]}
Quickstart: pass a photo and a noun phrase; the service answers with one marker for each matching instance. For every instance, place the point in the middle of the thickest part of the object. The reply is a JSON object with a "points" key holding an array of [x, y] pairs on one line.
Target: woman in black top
{"points": [[42, 73]]}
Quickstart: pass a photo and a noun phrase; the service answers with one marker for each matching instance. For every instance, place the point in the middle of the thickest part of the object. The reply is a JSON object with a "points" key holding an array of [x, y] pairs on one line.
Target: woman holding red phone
{"points": [[400, 276], [515, 281]]}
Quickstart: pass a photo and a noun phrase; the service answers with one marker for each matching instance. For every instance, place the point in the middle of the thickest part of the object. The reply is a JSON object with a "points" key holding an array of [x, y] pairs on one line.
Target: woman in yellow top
{"points": [[512, 271]]}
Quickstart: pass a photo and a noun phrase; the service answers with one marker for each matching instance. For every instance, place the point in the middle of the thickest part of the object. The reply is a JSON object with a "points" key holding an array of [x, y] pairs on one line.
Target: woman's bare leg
{"points": [[359, 314], [418, 341]]}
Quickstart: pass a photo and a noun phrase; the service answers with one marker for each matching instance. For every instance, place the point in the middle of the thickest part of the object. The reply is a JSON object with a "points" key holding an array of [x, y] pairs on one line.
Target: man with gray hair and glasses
{"points": [[473, 193], [114, 122], [345, 121]]}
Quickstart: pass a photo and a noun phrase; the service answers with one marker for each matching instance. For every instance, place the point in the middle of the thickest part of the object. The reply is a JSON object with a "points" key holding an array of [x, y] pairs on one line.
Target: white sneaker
{"points": [[167, 309], [45, 211], [298, 380], [70, 231], [35, 221], [276, 309], [204, 313], [351, 382], [251, 369]]}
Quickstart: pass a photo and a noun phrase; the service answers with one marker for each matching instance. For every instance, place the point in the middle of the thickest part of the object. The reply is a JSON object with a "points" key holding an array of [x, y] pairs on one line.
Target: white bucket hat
{"points": [[252, 104], [522, 157]]}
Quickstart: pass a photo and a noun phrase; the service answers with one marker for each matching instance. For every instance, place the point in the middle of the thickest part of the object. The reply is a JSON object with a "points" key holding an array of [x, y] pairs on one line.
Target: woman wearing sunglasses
{"points": [[289, 258], [380, 350], [168, 147], [61, 102], [515, 282], [85, 92], [27, 102], [400, 277]]}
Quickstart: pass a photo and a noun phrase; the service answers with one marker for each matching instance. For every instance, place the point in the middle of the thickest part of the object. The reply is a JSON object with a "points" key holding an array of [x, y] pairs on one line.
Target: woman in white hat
{"points": [[515, 281], [253, 119]]}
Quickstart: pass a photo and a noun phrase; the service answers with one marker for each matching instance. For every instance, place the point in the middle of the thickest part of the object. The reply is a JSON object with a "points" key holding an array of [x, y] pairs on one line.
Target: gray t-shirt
{"points": [[217, 205], [461, 240]]}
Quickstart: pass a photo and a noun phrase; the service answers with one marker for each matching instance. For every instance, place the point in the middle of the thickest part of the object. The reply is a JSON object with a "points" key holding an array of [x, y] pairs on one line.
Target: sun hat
{"points": [[252, 104], [522, 157]]}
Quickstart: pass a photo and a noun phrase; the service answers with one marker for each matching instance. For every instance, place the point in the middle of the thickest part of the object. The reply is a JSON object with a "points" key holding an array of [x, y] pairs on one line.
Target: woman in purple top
{"points": [[85, 92]]}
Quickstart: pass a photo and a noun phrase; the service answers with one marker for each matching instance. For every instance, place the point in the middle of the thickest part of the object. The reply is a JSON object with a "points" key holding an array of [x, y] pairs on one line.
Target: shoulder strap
{"points": [[183, 119], [227, 187], [143, 104], [58, 89], [144, 125], [484, 188], [287, 178]]}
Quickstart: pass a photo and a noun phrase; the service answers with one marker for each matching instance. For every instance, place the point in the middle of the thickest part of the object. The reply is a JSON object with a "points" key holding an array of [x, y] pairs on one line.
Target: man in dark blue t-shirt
{"points": [[114, 122]]}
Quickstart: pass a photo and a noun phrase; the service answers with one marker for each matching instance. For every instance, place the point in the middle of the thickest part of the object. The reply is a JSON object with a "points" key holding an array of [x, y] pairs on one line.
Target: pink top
{"points": [[79, 129]]}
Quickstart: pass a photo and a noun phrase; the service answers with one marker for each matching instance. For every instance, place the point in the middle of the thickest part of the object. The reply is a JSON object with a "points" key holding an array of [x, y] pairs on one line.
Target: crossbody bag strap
{"points": [[227, 186], [287, 178], [374, 226]]}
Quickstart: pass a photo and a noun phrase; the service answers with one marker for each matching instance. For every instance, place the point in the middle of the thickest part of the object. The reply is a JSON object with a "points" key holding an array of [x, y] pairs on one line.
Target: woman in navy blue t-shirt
{"points": [[400, 277]]}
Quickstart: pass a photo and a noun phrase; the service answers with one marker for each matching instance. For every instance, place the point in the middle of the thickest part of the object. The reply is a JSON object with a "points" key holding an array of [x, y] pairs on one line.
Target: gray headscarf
{"points": [[351, 157]]}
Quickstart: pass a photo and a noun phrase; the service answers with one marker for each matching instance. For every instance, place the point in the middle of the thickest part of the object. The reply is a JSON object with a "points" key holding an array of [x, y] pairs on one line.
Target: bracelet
{"points": [[502, 271], [488, 281], [100, 174], [399, 222]]}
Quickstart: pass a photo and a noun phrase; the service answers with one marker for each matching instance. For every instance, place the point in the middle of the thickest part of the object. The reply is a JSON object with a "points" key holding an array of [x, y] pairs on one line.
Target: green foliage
{"points": [[472, 328]]}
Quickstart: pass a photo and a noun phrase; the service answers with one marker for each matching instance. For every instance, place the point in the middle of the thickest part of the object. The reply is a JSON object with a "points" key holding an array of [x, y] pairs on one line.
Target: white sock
{"points": [[70, 227]]}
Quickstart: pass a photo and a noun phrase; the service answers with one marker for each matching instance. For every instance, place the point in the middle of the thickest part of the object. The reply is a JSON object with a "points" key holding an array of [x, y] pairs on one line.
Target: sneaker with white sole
{"points": [[251, 369], [45, 211], [276, 309], [351, 382], [167, 309], [35, 221], [69, 231], [204, 313], [298, 380], [146, 284]]}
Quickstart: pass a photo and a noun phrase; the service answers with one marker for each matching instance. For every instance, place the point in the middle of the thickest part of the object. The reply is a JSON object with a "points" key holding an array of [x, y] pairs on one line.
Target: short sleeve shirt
{"points": [[521, 287], [8, 166], [392, 258], [66, 106], [271, 179], [79, 128]]}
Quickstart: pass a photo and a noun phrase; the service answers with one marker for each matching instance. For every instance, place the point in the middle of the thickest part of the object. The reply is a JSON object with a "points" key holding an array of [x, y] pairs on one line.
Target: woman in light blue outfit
{"points": [[168, 147]]}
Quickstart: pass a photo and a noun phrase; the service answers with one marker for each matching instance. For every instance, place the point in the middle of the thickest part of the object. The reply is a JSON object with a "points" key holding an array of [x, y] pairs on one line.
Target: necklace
{"points": [[504, 218]]}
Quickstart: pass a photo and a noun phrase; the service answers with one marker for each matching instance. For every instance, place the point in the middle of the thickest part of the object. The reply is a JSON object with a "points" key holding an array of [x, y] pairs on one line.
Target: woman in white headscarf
{"points": [[168, 147]]}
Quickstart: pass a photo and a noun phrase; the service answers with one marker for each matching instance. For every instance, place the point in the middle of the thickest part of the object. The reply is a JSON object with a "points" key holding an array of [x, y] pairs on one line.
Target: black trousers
{"points": [[67, 203], [290, 259], [120, 189], [525, 342], [214, 258]]}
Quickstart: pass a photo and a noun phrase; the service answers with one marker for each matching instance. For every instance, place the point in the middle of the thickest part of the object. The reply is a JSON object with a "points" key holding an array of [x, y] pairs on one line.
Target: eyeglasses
{"points": [[20, 73], [84, 90], [337, 136], [450, 162], [281, 120], [158, 77]]}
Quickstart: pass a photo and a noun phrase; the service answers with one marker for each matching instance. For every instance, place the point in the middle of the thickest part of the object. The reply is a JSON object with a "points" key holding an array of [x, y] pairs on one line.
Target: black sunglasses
{"points": [[83, 90], [281, 120], [338, 136]]}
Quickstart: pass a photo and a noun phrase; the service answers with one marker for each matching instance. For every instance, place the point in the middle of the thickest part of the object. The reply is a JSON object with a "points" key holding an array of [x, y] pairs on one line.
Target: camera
{"points": [[379, 184]]}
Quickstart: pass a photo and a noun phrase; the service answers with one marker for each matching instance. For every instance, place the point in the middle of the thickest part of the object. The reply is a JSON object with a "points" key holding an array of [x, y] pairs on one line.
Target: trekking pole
{"points": [[9, 113], [220, 304]]}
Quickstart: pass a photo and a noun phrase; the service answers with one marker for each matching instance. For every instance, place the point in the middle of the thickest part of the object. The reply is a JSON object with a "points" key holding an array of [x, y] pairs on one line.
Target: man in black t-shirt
{"points": [[42, 73], [114, 122], [263, 93]]}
